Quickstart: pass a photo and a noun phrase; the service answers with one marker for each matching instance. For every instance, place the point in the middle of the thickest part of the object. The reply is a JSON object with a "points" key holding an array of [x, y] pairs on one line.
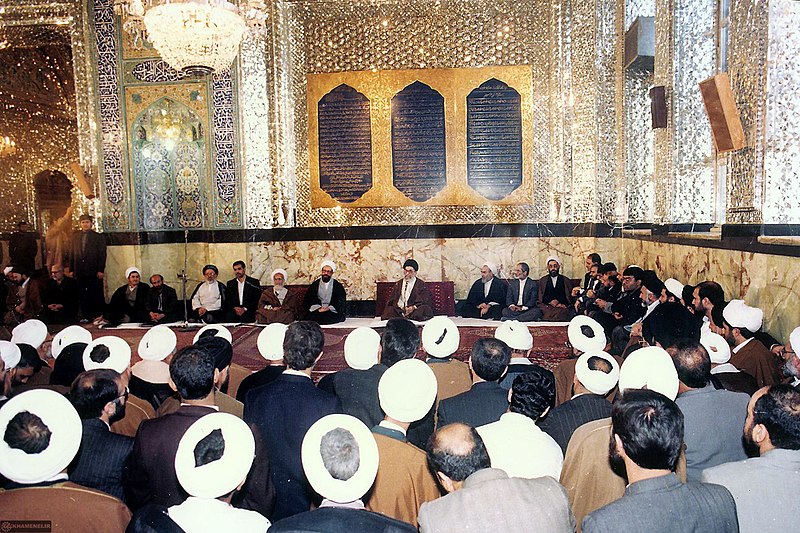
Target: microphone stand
{"points": [[184, 279]]}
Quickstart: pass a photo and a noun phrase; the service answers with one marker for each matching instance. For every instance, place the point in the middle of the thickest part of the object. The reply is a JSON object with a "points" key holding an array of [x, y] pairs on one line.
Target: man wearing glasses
{"points": [[60, 298]]}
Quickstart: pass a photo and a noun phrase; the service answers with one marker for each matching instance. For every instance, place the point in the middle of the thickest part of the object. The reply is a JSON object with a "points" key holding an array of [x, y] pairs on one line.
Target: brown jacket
{"points": [[285, 314], [67, 506], [404, 481], [225, 403], [755, 359], [452, 377], [136, 412], [420, 296]]}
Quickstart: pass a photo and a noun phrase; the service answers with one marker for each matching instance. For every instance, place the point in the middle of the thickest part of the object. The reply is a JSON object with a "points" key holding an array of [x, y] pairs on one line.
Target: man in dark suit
{"points": [[129, 302], [647, 435], [486, 401], [88, 265], [283, 410], [487, 297], [555, 293], [99, 396], [596, 373], [521, 297], [242, 294], [60, 298], [162, 302], [326, 301], [410, 297]]}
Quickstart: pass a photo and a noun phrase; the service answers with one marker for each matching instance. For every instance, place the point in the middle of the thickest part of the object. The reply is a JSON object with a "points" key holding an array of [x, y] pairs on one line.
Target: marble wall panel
{"points": [[767, 281]]}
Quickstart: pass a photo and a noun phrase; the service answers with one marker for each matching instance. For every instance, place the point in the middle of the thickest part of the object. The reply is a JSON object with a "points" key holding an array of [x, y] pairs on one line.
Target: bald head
{"points": [[455, 452]]}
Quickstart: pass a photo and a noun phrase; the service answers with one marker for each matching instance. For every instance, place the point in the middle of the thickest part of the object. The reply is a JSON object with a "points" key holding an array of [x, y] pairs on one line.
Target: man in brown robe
{"points": [[407, 391], [410, 297], [440, 340], [740, 323], [277, 303]]}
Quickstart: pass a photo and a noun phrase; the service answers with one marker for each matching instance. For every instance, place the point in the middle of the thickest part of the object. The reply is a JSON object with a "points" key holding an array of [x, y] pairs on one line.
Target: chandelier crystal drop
{"points": [[7, 146]]}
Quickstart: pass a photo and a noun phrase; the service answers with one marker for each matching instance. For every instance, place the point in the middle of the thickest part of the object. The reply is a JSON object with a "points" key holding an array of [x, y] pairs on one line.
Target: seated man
{"points": [[340, 459], [162, 302], [277, 303], [772, 428], [440, 340], [208, 298], [482, 498], [243, 293], [647, 435], [24, 298], [60, 298], [741, 323], [555, 293], [40, 434], [521, 297], [129, 302], [326, 301], [487, 297], [410, 296]]}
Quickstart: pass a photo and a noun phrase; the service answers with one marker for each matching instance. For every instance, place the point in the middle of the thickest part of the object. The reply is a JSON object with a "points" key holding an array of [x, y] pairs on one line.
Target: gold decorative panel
{"points": [[454, 85]]}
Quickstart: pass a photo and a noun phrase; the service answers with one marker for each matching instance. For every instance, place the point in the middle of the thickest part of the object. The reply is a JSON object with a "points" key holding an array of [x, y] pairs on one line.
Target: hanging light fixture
{"points": [[196, 37], [7, 146]]}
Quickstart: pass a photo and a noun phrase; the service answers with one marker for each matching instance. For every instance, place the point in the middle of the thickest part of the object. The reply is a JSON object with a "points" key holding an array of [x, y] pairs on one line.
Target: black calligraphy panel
{"points": [[418, 142], [345, 144], [494, 140]]}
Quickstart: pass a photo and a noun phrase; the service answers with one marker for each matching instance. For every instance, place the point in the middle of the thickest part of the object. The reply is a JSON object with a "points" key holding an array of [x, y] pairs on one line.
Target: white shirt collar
{"points": [[293, 372], [391, 425], [724, 368], [737, 348]]}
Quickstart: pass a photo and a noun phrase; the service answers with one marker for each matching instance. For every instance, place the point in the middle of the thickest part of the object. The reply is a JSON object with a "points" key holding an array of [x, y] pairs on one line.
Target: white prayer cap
{"points": [[553, 258], [7, 270], [581, 341], [223, 475], [407, 390], [794, 340], [270, 342], [279, 271], [340, 490], [515, 334], [325, 263], [151, 371], [157, 343], [440, 337], [32, 332], [491, 266], [674, 286], [361, 348], [10, 354], [740, 315], [67, 336], [649, 368], [64, 424], [597, 381], [221, 332], [131, 270], [717, 347], [118, 359]]}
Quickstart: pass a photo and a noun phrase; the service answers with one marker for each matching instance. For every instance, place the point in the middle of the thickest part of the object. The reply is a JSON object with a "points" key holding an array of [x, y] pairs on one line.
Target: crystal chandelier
{"points": [[196, 37], [7, 146]]}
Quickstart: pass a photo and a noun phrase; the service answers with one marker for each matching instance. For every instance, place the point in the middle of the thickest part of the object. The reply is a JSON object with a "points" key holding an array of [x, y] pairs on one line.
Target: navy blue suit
{"points": [[283, 410], [341, 520], [562, 421], [482, 404], [101, 459]]}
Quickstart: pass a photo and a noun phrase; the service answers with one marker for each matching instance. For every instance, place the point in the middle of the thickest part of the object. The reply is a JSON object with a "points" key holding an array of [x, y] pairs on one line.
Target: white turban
{"points": [[219, 477], [64, 424], [740, 315], [582, 342], [515, 334], [221, 332], [278, 271], [440, 337], [340, 490], [325, 263], [717, 347], [491, 266], [649, 368], [119, 357], [597, 381], [270, 341], [553, 258], [7, 270], [361, 348], [794, 340], [407, 390], [32, 332], [67, 336], [157, 343], [10, 354], [131, 270], [674, 286]]}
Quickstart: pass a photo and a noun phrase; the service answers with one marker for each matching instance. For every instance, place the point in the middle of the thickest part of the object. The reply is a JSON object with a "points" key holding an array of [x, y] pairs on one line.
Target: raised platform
{"points": [[549, 341]]}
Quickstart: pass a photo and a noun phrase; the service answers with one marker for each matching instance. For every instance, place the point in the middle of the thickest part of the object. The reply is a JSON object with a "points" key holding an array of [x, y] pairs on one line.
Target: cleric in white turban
{"points": [[326, 300], [740, 324], [129, 302], [487, 296], [277, 302], [440, 340], [270, 346]]}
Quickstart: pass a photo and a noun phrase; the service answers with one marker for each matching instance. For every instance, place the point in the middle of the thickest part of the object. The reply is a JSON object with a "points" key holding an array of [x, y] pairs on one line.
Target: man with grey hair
{"points": [[522, 297], [487, 296]]}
